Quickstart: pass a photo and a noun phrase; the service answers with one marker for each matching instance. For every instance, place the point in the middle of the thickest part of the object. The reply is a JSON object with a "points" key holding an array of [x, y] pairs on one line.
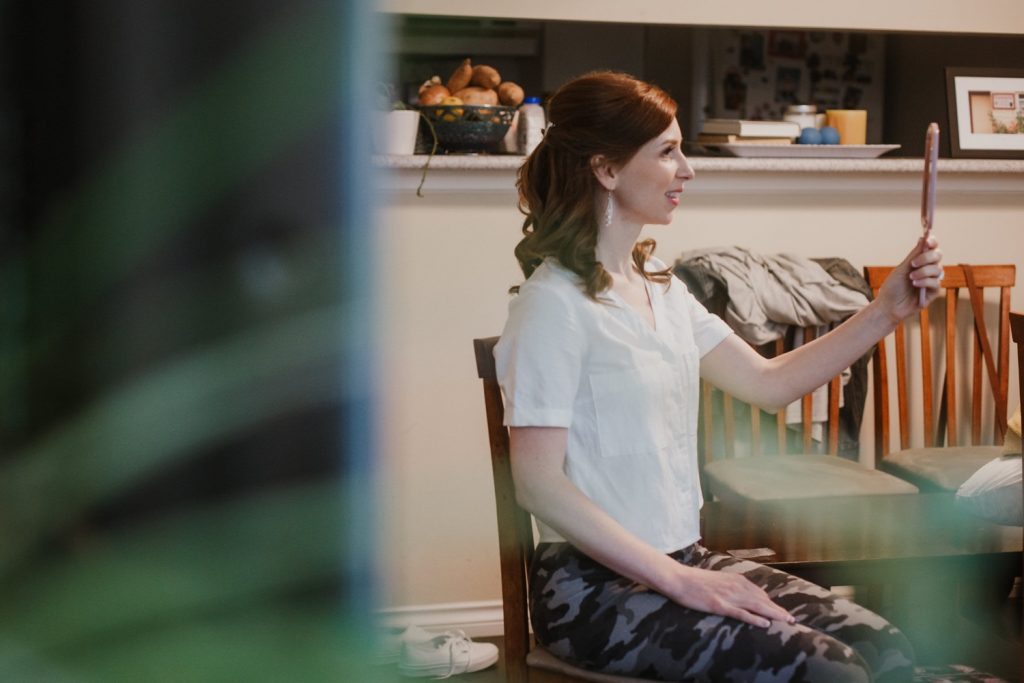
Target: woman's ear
{"points": [[603, 171]]}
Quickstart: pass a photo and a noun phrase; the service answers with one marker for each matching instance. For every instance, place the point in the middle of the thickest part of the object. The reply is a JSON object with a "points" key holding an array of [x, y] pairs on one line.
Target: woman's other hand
{"points": [[921, 269], [727, 594]]}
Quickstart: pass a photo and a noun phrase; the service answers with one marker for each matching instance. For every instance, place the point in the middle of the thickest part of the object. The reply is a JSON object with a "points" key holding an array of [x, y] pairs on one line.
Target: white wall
{"points": [[445, 264]]}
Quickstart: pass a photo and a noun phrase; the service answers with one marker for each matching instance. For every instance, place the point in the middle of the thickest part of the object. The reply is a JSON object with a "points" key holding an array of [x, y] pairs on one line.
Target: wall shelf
{"points": [[720, 175]]}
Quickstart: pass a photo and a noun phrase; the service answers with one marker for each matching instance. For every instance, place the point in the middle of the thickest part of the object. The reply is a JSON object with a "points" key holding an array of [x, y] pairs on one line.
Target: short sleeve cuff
{"points": [[713, 332], [537, 417]]}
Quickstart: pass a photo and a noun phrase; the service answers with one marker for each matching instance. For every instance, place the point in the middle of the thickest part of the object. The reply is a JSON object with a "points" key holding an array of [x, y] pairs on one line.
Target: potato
{"points": [[475, 95], [460, 77], [433, 94], [485, 77], [510, 94], [433, 80]]}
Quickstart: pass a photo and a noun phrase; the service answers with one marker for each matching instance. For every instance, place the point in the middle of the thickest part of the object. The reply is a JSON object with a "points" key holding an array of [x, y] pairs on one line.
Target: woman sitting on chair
{"points": [[599, 364]]}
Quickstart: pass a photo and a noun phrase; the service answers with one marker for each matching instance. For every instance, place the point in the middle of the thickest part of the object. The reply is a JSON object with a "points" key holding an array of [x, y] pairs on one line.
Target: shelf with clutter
{"points": [[725, 175], [719, 71]]}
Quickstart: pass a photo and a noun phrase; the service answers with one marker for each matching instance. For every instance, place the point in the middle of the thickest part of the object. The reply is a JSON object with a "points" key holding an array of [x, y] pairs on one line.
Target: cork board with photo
{"points": [[756, 74]]}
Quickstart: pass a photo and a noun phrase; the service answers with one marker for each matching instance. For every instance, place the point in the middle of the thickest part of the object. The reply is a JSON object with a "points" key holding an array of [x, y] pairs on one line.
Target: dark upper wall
{"points": [[916, 81]]}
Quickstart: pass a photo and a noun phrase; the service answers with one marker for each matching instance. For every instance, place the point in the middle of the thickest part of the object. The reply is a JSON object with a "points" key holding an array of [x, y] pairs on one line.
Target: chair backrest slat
{"points": [[950, 379], [807, 402], [1004, 359], [755, 432], [976, 370], [705, 435], [806, 422], [834, 389], [729, 424], [901, 383], [780, 415], [880, 393], [927, 384], [987, 366]]}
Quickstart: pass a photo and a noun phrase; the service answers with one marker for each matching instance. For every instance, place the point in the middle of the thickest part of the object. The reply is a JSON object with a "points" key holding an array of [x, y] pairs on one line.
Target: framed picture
{"points": [[986, 112]]}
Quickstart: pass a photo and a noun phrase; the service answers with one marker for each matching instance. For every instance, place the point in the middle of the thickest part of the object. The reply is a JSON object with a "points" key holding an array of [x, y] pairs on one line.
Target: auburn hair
{"points": [[603, 113]]}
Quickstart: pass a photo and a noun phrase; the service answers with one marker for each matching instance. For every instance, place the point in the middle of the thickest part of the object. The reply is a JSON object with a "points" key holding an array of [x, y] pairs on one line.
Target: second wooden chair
{"points": [[943, 458], [804, 464]]}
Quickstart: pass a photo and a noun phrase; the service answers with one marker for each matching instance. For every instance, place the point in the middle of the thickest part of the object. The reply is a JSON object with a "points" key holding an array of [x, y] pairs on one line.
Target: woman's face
{"points": [[648, 186]]}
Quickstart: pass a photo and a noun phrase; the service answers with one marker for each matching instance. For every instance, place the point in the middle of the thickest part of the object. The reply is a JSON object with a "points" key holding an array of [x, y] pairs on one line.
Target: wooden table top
{"points": [[858, 530]]}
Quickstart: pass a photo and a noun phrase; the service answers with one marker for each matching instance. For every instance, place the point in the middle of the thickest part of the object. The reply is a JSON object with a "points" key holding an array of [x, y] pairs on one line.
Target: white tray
{"points": [[739, 149]]}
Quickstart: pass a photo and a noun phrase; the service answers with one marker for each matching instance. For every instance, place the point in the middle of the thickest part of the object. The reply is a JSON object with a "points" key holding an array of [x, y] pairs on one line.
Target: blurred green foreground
{"points": [[185, 406]]}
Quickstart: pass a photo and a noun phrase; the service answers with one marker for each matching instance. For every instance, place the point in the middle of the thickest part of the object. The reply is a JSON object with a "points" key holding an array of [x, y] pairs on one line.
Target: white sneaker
{"points": [[389, 643], [444, 655]]}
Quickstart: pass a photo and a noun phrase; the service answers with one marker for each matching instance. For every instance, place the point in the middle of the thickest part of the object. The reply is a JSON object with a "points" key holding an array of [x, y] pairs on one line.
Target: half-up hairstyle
{"points": [[600, 113]]}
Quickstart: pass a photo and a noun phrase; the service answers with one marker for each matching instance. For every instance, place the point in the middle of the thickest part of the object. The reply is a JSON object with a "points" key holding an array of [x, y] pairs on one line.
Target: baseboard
{"points": [[480, 619]]}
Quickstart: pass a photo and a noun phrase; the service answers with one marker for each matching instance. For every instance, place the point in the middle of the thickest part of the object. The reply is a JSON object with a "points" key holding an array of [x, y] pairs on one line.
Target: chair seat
{"points": [[540, 658], [939, 469], [786, 477]]}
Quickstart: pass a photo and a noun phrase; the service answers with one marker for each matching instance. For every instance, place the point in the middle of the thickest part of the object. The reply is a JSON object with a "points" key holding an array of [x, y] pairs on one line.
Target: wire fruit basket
{"points": [[469, 127]]}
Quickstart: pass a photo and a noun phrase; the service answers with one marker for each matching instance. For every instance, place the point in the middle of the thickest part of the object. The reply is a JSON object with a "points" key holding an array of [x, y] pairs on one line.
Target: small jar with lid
{"points": [[804, 115]]}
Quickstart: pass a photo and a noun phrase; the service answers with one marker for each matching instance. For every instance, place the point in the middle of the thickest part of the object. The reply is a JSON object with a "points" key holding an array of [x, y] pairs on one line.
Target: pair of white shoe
{"points": [[439, 654]]}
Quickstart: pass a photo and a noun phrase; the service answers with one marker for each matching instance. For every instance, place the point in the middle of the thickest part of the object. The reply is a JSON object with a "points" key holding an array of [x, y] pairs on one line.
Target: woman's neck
{"points": [[615, 248]]}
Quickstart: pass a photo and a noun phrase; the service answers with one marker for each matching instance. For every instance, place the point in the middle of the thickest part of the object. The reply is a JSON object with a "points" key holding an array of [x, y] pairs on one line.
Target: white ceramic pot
{"points": [[395, 131]]}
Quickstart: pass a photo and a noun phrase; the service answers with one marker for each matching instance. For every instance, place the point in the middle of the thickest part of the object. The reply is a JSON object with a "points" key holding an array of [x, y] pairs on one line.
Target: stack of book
{"points": [[732, 131]]}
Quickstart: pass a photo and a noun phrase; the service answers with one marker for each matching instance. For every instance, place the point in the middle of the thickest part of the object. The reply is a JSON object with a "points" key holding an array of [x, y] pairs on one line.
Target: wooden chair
{"points": [[943, 463], [801, 467], [1017, 330], [524, 663]]}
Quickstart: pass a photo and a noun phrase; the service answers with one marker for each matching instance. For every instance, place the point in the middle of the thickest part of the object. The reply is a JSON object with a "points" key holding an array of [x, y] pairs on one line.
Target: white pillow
{"points": [[994, 491]]}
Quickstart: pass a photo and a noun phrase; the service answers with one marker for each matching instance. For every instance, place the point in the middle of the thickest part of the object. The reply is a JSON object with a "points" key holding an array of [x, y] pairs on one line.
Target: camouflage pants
{"points": [[592, 617]]}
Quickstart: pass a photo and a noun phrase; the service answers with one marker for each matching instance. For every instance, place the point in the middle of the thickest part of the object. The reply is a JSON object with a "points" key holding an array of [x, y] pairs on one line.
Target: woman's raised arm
{"points": [[774, 383]]}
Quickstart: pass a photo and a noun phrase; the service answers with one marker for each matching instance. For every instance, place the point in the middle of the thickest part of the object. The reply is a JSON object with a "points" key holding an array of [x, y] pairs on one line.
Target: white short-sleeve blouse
{"points": [[627, 393]]}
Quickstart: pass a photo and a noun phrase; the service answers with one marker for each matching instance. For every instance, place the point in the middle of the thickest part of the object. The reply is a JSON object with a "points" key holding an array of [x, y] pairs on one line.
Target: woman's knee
{"points": [[803, 654], [888, 653]]}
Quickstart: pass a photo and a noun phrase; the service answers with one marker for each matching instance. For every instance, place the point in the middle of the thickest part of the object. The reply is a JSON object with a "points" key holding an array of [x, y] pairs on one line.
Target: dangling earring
{"points": [[608, 211]]}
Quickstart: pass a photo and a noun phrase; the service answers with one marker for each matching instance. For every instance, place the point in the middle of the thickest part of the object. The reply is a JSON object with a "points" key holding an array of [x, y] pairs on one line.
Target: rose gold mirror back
{"points": [[931, 174]]}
